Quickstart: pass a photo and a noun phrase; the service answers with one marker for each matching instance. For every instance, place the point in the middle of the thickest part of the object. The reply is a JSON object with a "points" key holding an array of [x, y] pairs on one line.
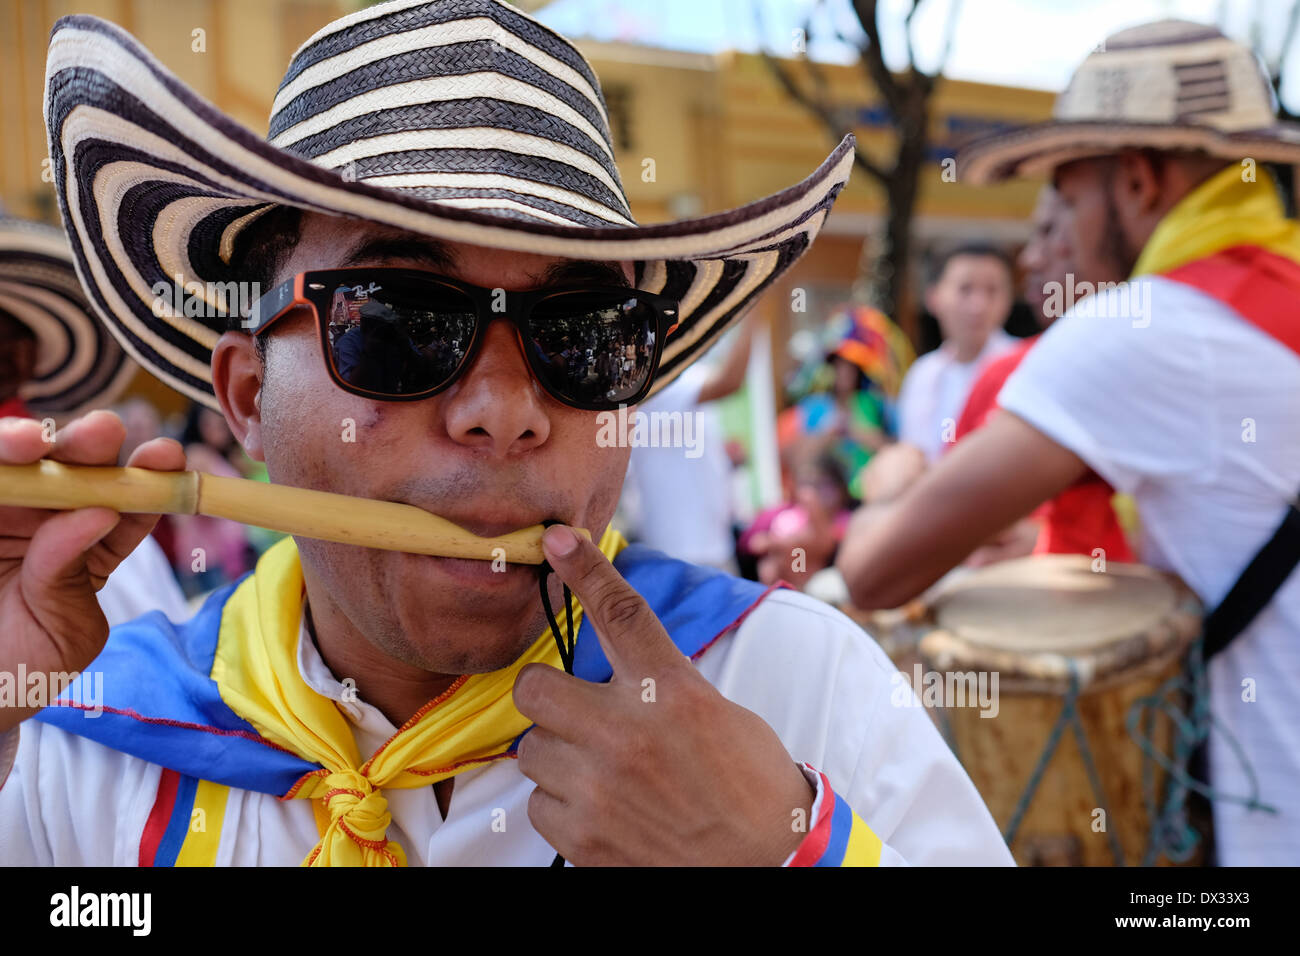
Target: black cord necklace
{"points": [[565, 645]]}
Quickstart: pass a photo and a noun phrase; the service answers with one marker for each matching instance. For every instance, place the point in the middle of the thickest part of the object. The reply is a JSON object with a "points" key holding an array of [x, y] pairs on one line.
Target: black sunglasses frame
{"points": [[315, 290]]}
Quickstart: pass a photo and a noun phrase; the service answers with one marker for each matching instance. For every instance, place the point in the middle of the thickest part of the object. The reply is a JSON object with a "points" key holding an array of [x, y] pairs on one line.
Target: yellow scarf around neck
{"points": [[256, 671], [1222, 212]]}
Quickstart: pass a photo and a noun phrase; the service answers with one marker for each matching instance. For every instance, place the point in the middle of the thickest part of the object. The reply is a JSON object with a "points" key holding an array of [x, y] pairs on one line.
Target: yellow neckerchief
{"points": [[1222, 212], [256, 670]]}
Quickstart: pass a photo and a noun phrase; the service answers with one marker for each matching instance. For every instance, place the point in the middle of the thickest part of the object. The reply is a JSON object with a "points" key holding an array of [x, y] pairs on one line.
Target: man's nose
{"points": [[497, 405]]}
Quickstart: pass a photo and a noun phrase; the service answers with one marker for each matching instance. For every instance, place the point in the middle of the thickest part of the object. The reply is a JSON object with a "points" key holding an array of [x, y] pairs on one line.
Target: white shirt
{"points": [[1196, 414], [806, 669], [143, 582], [934, 392], [684, 500]]}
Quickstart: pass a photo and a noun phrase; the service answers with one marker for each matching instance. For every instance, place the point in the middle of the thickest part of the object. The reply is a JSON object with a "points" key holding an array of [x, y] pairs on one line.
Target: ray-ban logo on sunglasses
{"points": [[655, 429], [204, 300]]}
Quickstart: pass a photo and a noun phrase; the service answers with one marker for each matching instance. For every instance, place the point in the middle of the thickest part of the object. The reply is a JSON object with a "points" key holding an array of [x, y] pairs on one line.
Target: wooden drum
{"points": [[1043, 632]]}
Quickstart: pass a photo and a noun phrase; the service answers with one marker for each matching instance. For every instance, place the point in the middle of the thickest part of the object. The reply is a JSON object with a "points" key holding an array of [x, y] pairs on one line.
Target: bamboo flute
{"points": [[298, 511]]}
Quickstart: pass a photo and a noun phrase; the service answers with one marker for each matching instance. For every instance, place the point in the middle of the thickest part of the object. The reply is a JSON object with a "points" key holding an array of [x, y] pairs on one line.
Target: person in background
{"points": [[1081, 519], [208, 552], [683, 504], [46, 329], [850, 415], [1177, 384], [970, 293], [793, 541]]}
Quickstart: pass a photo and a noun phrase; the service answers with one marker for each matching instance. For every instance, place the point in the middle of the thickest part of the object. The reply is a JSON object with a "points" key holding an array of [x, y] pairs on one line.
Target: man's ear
{"points": [[1138, 183], [237, 382]]}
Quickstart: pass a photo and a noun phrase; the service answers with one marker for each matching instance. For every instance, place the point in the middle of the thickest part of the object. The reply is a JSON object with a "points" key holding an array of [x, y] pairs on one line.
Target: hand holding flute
{"points": [[52, 564]]}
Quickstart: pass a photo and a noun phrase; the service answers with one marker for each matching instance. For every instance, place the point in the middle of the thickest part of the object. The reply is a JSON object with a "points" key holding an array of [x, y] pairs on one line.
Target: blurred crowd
{"points": [[206, 553], [864, 419]]}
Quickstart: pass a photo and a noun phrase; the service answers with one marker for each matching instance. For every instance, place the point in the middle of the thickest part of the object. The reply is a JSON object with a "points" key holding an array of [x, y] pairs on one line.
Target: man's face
{"points": [[1102, 250], [493, 453], [17, 357], [972, 298], [1048, 256]]}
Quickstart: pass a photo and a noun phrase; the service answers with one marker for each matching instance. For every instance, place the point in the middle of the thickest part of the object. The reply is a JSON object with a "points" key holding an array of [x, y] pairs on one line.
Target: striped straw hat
{"points": [[461, 120], [1170, 85], [79, 366]]}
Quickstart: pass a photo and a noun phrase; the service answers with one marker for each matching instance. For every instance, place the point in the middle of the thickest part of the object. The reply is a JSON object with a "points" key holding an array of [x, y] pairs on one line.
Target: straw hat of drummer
{"points": [[1172, 85], [78, 365]]}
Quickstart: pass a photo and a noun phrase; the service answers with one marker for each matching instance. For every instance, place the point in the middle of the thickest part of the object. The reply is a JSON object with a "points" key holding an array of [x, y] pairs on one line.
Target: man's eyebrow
{"points": [[427, 252], [575, 272]]}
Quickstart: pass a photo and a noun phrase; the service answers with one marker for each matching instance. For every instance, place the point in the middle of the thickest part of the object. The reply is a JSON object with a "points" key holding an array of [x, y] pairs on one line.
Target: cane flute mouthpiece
{"points": [[298, 511]]}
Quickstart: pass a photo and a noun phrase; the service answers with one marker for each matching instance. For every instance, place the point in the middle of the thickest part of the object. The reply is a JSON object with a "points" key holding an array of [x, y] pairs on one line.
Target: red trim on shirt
{"points": [[159, 816], [819, 837]]}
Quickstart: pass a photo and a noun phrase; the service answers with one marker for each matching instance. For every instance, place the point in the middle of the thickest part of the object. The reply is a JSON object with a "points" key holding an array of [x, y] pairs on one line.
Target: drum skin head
{"points": [[1043, 616], [1054, 603]]}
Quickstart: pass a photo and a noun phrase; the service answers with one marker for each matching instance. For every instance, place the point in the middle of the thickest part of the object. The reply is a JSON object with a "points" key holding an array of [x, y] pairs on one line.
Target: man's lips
{"points": [[485, 523]]}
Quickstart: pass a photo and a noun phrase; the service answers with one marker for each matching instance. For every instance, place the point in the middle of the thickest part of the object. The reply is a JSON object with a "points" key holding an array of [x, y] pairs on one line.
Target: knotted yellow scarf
{"points": [[256, 670], [1222, 212]]}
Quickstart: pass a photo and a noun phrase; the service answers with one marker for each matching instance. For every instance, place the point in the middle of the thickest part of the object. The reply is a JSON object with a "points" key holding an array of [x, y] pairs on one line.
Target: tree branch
{"points": [[949, 31], [873, 58], [907, 36]]}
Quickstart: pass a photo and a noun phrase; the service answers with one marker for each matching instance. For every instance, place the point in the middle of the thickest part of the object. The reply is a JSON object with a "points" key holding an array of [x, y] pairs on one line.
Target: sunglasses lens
{"points": [[594, 349], [399, 337]]}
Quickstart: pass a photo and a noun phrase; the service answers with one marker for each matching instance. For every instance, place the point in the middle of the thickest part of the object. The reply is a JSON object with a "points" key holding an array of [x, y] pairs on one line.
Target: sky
{"points": [[1032, 43]]}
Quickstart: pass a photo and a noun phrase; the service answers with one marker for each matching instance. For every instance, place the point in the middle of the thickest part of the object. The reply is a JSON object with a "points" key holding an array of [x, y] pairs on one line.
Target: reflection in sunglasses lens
{"points": [[399, 341], [595, 349]]}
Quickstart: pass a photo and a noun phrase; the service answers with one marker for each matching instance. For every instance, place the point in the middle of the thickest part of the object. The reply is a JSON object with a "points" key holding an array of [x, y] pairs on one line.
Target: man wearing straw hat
{"points": [[450, 161], [57, 361], [1177, 386]]}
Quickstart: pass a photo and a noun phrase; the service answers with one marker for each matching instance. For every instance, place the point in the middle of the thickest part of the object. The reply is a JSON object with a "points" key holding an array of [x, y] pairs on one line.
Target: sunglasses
{"points": [[401, 335]]}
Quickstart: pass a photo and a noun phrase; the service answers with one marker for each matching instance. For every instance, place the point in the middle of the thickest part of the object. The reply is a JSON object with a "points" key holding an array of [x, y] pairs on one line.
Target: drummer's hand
{"points": [[53, 562], [1016, 541], [655, 767]]}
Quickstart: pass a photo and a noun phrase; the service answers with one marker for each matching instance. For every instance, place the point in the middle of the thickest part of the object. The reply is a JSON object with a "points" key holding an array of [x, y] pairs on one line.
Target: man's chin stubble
{"points": [[458, 644]]}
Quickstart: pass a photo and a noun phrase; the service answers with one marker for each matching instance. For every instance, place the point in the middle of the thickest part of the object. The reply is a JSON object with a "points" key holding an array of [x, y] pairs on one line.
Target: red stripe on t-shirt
{"points": [[159, 817]]}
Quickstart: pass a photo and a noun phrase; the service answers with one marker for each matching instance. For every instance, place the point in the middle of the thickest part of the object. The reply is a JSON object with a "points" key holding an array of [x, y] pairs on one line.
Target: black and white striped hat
{"points": [[79, 366], [462, 120]]}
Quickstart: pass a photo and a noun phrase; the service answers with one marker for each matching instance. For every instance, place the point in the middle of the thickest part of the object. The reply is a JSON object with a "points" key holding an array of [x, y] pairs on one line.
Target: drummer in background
{"points": [[1081, 519], [1177, 386]]}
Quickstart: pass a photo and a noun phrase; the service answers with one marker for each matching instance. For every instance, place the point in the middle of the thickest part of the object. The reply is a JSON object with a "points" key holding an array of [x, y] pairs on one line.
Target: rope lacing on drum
{"points": [[1069, 717], [1171, 833]]}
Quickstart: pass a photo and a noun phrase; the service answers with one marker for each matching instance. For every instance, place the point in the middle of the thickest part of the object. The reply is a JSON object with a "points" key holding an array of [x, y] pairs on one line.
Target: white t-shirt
{"points": [[934, 392], [683, 494], [1196, 414], [813, 675]]}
